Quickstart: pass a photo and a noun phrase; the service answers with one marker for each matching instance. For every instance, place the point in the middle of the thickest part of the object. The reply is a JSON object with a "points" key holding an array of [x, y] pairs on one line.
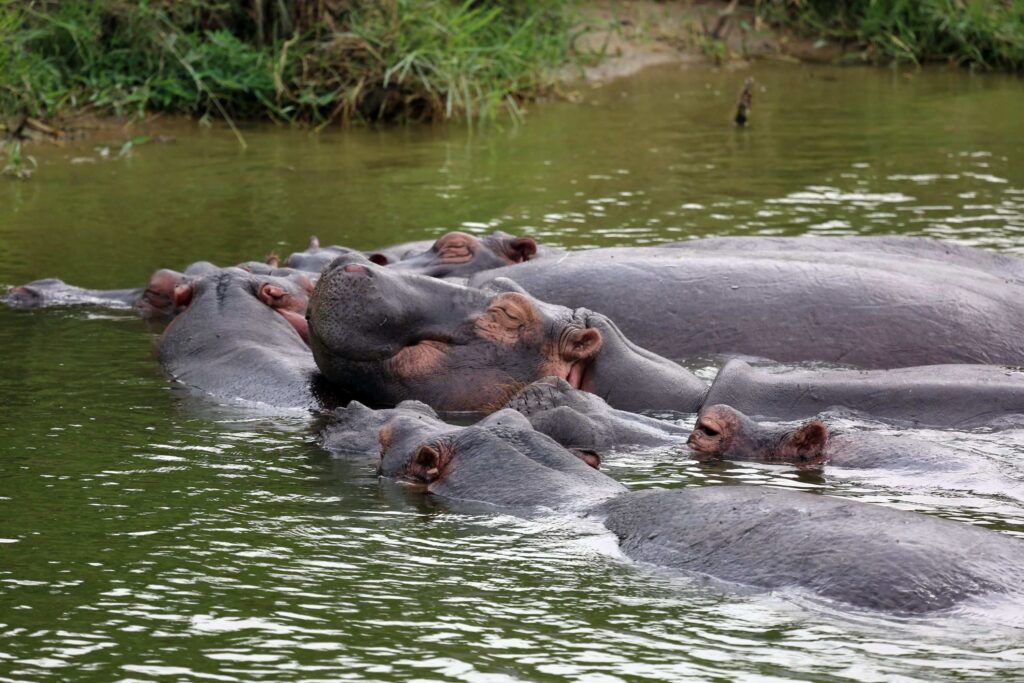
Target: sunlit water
{"points": [[150, 535]]}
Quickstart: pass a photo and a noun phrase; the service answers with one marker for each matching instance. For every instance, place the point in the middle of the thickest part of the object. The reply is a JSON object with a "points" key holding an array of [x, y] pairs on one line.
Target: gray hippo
{"points": [[242, 337], [455, 254], [865, 307], [458, 254], [156, 300], [54, 292], [863, 555], [726, 433], [390, 335]]}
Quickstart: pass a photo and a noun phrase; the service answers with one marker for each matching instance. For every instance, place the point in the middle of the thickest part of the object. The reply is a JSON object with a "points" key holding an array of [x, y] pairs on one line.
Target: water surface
{"points": [[150, 535]]}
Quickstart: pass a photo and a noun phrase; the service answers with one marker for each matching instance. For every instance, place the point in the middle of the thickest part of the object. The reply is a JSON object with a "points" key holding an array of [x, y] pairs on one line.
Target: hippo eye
{"points": [[505, 317]]}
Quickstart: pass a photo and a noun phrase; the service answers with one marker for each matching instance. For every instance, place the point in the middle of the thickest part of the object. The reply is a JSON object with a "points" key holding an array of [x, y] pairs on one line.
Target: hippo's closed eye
{"points": [[456, 247]]}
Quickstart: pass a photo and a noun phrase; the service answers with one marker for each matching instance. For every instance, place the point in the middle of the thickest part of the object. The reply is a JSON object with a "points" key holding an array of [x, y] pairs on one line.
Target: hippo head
{"points": [[459, 254], [288, 295], [724, 432], [354, 428], [315, 257], [499, 460], [167, 293], [391, 335], [31, 295]]}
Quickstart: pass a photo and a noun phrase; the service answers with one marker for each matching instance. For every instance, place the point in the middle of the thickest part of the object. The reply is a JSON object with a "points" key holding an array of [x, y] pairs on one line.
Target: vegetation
{"points": [[315, 61], [980, 33]]}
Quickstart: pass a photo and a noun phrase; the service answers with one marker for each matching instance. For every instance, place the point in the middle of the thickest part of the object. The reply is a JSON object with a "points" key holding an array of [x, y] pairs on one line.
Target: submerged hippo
{"points": [[455, 254], [866, 307], [160, 298], [724, 432], [54, 292], [242, 337], [389, 335], [458, 254], [581, 419], [860, 554]]}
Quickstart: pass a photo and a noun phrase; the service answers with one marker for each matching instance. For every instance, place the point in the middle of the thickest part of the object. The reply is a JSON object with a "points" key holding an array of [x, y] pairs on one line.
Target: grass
{"points": [[314, 61], [976, 33]]}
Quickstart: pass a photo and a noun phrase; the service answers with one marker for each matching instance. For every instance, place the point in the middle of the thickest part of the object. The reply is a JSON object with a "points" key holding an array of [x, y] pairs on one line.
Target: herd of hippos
{"points": [[561, 354]]}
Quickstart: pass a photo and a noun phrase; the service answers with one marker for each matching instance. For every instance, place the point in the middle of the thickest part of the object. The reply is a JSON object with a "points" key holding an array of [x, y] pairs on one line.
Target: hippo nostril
{"points": [[708, 428]]}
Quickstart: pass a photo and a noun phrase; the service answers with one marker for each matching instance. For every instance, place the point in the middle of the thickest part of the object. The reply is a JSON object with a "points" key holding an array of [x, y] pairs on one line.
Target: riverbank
{"points": [[69, 67]]}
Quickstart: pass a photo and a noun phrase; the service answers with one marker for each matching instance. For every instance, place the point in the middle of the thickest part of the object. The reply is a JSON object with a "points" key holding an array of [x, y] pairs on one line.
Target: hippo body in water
{"points": [[936, 395], [54, 292], [726, 433], [158, 299], [864, 555], [241, 337], [866, 308], [392, 335]]}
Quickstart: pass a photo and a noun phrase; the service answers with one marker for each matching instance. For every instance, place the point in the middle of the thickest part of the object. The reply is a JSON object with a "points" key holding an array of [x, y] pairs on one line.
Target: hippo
{"points": [[722, 432], [315, 257], [581, 419], [865, 308], [391, 335], [353, 429], [242, 337], [54, 292], [862, 555], [156, 300], [458, 254], [950, 396], [886, 246], [499, 461], [455, 254]]}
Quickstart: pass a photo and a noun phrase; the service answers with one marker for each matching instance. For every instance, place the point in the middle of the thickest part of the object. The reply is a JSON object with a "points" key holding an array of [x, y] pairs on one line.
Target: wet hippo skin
{"points": [[856, 307], [863, 555]]}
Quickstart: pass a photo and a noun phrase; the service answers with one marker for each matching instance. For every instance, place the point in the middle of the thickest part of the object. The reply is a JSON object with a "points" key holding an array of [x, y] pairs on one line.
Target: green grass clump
{"points": [[289, 61], [981, 33]]}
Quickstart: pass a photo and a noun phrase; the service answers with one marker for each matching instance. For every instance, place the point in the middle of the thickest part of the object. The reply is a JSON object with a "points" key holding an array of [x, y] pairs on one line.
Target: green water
{"points": [[150, 535]]}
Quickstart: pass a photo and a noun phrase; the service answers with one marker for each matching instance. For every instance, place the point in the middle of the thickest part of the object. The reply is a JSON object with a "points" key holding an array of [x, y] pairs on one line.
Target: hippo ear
{"points": [[314, 242], [809, 441], [271, 294], [273, 260], [426, 464], [503, 284], [591, 457], [183, 295], [520, 249], [378, 258]]}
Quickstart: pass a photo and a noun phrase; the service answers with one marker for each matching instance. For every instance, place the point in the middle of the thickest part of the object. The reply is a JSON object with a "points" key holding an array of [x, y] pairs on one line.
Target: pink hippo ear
{"points": [[426, 464], [591, 457], [808, 442], [379, 259], [521, 249], [273, 260], [271, 295], [314, 242], [182, 295]]}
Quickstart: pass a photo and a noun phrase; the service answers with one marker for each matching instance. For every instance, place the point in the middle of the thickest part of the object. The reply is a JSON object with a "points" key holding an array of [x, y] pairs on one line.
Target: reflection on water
{"points": [[147, 535]]}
